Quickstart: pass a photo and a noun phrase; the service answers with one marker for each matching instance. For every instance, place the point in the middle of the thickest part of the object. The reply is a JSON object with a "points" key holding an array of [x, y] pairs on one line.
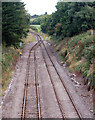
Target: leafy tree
{"points": [[45, 22], [35, 16], [71, 18], [15, 23], [45, 13], [36, 20]]}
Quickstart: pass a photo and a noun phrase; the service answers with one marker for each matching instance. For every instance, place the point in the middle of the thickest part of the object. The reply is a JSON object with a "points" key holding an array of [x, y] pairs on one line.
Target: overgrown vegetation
{"points": [[9, 59], [79, 54], [36, 28], [38, 19], [29, 38]]}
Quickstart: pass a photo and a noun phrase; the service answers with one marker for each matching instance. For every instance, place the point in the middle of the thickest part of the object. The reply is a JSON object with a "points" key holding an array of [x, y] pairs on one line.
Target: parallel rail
{"points": [[39, 116], [26, 84], [78, 113]]}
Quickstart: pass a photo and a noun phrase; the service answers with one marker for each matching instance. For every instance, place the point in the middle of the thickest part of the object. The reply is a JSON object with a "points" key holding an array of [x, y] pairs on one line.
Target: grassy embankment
{"points": [[36, 28], [30, 38], [79, 54], [9, 59]]}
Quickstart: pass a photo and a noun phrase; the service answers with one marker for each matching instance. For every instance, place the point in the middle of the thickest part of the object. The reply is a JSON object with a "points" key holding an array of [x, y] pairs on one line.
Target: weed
{"points": [[80, 53], [9, 59]]}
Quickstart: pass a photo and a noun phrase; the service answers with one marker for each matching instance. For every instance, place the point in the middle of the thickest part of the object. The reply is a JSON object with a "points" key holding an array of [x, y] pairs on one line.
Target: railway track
{"points": [[60, 105], [23, 115], [65, 103]]}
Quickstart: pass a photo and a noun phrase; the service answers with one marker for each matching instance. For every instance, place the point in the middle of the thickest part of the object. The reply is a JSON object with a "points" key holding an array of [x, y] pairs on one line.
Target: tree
{"points": [[45, 13], [73, 19], [15, 23]]}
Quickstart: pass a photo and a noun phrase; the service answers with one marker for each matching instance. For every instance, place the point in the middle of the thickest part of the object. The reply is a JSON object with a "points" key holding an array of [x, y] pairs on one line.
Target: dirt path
{"points": [[46, 96]]}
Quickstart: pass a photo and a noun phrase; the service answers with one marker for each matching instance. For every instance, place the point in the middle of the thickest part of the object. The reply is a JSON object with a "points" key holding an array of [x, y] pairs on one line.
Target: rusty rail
{"points": [[26, 84], [78, 113]]}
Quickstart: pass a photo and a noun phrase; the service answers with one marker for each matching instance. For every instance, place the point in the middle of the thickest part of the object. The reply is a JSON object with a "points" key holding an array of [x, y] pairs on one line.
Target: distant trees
{"points": [[45, 13], [37, 20], [15, 23], [70, 19], [35, 16]]}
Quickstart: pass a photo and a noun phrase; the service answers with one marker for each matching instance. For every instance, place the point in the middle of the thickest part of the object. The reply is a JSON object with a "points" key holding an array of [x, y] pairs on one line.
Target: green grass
{"points": [[38, 27], [9, 58], [29, 38], [80, 54], [32, 19]]}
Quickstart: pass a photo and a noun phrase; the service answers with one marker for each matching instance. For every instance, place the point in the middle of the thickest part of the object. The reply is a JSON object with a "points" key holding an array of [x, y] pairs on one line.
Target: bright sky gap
{"points": [[40, 6]]}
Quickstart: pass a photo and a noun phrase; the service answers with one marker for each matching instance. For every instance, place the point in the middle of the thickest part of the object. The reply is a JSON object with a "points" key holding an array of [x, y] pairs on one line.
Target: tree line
{"points": [[38, 19], [71, 18], [15, 23]]}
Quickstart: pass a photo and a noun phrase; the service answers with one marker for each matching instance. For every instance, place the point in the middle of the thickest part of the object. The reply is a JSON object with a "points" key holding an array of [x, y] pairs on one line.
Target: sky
{"points": [[39, 7]]}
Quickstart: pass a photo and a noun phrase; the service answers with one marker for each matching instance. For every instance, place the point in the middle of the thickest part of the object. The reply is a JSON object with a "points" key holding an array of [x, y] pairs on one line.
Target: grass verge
{"points": [[79, 54], [9, 60]]}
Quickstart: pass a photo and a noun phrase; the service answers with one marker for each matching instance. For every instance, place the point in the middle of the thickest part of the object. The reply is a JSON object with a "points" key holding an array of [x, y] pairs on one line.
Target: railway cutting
{"points": [[39, 89]]}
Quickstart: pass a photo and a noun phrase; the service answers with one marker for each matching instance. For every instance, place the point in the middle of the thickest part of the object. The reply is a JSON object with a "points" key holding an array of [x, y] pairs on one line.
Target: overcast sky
{"points": [[40, 6]]}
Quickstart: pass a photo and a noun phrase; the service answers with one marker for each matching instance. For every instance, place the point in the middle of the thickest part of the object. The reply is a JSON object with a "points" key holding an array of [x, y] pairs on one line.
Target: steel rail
{"points": [[37, 90], [26, 82], [79, 115], [60, 107]]}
